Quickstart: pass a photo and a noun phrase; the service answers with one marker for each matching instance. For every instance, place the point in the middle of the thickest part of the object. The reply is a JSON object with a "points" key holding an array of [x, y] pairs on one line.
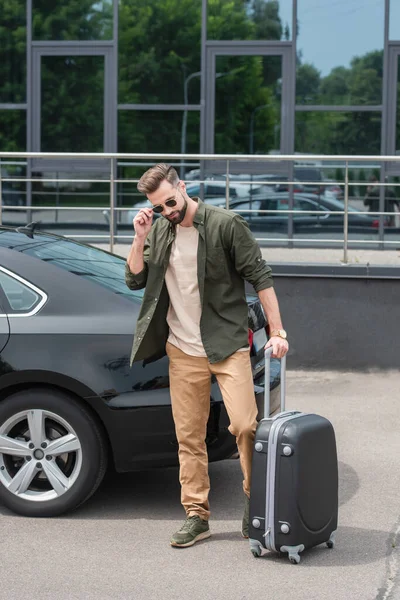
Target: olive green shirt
{"points": [[227, 255]]}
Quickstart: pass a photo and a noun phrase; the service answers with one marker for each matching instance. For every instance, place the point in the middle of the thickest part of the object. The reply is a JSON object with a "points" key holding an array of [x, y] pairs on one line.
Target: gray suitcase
{"points": [[294, 484]]}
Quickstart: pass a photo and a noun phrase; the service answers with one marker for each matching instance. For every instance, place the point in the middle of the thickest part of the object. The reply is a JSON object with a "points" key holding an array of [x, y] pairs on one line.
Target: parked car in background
{"points": [[69, 401], [334, 189], [314, 212], [311, 177], [215, 189], [214, 193], [317, 182]]}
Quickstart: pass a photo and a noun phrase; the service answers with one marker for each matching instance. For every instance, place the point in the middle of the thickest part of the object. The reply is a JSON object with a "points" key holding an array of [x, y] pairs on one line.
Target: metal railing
{"points": [[264, 162]]}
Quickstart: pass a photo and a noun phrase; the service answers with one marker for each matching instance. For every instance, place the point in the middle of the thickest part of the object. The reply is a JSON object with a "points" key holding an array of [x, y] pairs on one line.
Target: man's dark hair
{"points": [[150, 180]]}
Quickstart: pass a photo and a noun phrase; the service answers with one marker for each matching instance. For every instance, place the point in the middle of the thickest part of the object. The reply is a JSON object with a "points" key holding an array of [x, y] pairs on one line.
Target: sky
{"points": [[332, 32]]}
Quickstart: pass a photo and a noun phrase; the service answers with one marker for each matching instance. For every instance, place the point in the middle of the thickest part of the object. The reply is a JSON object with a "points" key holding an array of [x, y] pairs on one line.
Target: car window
{"points": [[245, 206], [233, 192], [305, 174], [275, 204], [90, 263], [306, 205], [20, 297], [215, 190], [193, 190]]}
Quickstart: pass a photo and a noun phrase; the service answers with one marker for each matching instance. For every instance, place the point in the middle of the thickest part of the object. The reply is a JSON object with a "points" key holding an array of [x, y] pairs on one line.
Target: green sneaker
{"points": [[245, 520], [193, 530]]}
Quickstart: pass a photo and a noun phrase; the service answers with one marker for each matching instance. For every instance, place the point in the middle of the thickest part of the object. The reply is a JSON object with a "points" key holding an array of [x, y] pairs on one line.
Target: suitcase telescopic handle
{"points": [[267, 393]]}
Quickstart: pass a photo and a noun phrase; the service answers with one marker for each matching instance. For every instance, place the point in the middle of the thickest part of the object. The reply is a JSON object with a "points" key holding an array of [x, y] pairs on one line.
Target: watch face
{"points": [[283, 334]]}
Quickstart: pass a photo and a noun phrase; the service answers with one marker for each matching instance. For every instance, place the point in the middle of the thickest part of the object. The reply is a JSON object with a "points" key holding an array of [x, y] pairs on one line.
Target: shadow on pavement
{"points": [[155, 494]]}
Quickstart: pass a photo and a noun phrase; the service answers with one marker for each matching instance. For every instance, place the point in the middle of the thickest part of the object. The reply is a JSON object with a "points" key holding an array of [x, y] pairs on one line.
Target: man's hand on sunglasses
{"points": [[142, 222]]}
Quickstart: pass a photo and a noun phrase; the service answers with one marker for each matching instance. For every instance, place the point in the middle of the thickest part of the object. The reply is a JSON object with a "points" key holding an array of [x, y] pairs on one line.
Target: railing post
{"points": [[227, 186], [346, 215], [112, 205]]}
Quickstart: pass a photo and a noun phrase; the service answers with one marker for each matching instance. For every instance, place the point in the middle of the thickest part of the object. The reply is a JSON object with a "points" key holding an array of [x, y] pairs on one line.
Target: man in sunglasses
{"points": [[193, 264]]}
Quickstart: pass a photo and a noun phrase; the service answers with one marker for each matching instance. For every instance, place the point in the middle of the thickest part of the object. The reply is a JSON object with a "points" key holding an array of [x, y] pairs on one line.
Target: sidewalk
{"points": [[308, 255]]}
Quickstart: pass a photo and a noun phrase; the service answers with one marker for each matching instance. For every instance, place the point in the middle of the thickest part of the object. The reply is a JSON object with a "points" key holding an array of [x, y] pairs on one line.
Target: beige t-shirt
{"points": [[181, 279]]}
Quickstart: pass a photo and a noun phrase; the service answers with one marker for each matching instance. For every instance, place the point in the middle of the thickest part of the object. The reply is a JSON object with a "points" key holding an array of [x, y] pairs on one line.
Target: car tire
{"points": [[60, 472]]}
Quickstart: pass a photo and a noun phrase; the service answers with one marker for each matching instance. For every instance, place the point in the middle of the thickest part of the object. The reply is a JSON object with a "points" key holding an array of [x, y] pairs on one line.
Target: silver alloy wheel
{"points": [[40, 455]]}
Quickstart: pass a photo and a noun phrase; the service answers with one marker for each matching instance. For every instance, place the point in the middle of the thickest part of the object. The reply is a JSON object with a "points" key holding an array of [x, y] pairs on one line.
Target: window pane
{"points": [[72, 20], [338, 132], [159, 49], [394, 20], [248, 104], [72, 111], [254, 20], [20, 297], [13, 130], [340, 52], [13, 51], [158, 131]]}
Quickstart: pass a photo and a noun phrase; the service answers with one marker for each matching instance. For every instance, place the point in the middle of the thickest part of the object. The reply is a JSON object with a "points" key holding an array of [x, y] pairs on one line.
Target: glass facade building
{"points": [[223, 76]]}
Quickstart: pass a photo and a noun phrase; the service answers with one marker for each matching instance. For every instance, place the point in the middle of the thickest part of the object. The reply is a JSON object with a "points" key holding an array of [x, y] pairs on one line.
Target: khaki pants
{"points": [[190, 386]]}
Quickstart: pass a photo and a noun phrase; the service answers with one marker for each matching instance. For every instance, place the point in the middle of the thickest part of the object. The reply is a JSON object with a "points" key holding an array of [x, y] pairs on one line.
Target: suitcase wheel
{"points": [[331, 542], [255, 548], [293, 552], [294, 559]]}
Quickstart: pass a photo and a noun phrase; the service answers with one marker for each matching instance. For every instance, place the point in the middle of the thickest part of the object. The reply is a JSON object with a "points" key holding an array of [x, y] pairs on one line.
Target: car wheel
{"points": [[53, 454]]}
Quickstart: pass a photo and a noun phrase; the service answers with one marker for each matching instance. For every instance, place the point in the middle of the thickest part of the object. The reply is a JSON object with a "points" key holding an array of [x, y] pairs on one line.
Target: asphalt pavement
{"points": [[116, 546]]}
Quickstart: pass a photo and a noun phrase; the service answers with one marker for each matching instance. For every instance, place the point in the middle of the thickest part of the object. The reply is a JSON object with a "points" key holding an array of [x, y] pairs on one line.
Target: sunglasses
{"points": [[158, 208]]}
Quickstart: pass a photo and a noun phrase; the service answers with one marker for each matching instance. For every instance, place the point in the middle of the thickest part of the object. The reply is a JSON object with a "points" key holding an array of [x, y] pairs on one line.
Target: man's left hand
{"points": [[280, 346]]}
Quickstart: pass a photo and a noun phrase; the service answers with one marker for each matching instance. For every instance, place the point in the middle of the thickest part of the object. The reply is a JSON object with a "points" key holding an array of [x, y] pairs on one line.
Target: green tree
{"points": [[345, 132], [159, 47], [230, 20], [13, 51], [72, 104], [335, 87], [268, 26], [72, 20], [12, 73], [365, 78], [308, 81], [72, 87]]}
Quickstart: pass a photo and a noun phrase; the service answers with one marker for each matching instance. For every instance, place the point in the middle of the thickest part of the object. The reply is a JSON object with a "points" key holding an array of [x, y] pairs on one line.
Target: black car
{"points": [[314, 213], [69, 401]]}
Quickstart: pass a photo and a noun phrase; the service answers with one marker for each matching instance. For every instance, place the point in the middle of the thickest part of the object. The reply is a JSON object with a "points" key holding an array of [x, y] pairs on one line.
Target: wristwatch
{"points": [[278, 333]]}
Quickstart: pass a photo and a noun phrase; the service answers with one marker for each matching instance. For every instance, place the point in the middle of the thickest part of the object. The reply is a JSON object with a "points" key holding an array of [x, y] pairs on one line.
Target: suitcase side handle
{"points": [[267, 393]]}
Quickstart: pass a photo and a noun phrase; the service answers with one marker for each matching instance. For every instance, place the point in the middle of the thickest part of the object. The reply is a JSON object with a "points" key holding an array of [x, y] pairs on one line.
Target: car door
{"points": [[277, 220], [310, 215]]}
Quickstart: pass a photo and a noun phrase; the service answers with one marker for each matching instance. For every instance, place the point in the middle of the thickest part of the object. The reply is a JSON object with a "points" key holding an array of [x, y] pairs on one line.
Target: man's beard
{"points": [[179, 216]]}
